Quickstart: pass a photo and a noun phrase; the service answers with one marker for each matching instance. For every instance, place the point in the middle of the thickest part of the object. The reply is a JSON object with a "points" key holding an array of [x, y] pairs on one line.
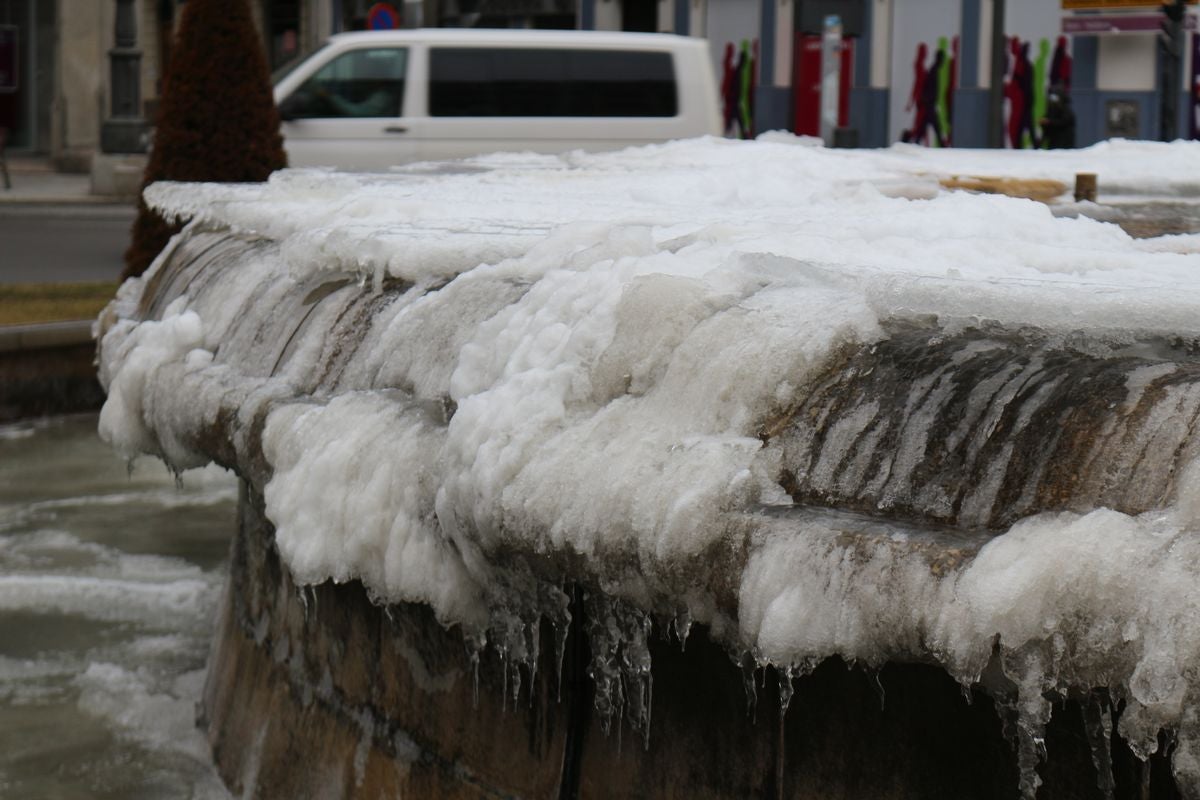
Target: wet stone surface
{"points": [[1144, 220], [318, 692]]}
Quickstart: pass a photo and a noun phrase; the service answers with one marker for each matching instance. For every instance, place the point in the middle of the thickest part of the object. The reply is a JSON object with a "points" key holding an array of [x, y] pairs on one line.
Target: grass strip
{"points": [[27, 303]]}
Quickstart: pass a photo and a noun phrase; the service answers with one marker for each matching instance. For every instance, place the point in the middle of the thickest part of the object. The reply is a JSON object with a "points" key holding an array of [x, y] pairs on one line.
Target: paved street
{"points": [[52, 243]]}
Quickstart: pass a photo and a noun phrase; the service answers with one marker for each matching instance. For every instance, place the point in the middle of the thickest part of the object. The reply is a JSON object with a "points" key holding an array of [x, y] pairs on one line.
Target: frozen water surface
{"points": [[109, 579], [599, 363]]}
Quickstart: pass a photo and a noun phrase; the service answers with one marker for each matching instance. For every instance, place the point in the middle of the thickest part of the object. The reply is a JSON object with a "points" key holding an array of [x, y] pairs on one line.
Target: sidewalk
{"points": [[35, 182], [47, 368]]}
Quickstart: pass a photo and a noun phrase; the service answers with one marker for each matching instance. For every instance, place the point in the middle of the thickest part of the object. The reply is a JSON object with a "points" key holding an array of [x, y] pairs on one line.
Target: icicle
{"points": [[303, 600], [604, 704], [649, 704], [533, 650], [1097, 726], [682, 625], [1015, 681], [1031, 751], [620, 665], [562, 633], [1025, 733], [556, 604], [475, 678], [748, 666], [1107, 722], [620, 729], [503, 678], [784, 677], [600, 671], [622, 704], [877, 683]]}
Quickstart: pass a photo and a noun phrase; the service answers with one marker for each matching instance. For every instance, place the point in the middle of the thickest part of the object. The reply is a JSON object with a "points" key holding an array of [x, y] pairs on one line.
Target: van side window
{"points": [[546, 82], [360, 83]]}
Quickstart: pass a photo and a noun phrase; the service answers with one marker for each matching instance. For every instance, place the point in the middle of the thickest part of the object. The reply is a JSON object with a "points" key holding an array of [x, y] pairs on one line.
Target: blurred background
{"points": [[64, 63]]}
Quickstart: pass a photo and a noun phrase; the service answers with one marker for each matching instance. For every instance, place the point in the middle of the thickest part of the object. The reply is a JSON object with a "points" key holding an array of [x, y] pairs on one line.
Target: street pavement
{"points": [[53, 229]]}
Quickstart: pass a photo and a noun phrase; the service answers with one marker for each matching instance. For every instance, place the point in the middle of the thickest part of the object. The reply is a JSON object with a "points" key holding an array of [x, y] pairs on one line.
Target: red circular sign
{"points": [[383, 17]]}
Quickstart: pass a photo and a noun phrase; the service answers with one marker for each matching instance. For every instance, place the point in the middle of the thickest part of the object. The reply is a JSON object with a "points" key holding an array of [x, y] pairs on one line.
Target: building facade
{"points": [[55, 81], [1110, 48], [904, 64]]}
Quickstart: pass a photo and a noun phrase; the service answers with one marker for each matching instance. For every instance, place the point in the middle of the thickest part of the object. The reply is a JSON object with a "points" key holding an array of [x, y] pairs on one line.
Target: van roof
{"points": [[508, 35]]}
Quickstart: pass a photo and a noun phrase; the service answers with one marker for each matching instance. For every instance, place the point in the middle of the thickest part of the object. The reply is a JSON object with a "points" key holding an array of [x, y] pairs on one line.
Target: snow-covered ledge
{"points": [[576, 404]]}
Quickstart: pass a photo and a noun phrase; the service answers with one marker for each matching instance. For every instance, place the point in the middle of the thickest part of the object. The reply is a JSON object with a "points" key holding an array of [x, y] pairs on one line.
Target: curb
{"points": [[15, 338], [23, 199], [48, 369]]}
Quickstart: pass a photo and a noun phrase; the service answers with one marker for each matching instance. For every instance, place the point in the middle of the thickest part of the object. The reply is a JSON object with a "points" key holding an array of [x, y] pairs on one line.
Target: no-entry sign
{"points": [[383, 17]]}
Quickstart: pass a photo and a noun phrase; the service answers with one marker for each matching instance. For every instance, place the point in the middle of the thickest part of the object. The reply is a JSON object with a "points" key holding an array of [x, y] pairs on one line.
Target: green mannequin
{"points": [[943, 84], [1039, 90]]}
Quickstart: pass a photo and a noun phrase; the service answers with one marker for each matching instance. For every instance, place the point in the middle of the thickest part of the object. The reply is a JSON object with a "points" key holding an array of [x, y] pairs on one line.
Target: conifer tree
{"points": [[217, 119]]}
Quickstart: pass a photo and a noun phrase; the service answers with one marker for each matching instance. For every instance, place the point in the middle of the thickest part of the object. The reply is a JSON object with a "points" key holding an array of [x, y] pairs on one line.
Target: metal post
{"points": [[996, 91], [1171, 59], [124, 131], [831, 76]]}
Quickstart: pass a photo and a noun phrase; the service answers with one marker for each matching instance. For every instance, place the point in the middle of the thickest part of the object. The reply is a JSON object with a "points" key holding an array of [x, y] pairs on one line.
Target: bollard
{"points": [[1085, 187]]}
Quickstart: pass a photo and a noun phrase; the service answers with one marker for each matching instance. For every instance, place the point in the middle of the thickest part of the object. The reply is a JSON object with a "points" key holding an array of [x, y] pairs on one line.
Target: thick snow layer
{"points": [[780, 206], [609, 337]]}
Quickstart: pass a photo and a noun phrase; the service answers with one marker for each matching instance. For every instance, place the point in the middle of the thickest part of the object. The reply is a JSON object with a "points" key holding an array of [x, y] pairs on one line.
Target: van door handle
{"points": [[396, 129]]}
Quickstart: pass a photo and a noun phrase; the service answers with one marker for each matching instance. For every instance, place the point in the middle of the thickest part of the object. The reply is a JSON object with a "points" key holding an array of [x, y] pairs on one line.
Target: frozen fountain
{"points": [[608, 476]]}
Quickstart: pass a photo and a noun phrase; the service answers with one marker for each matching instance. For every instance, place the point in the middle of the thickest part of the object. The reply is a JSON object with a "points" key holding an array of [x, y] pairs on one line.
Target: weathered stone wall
{"points": [[984, 427], [321, 693]]}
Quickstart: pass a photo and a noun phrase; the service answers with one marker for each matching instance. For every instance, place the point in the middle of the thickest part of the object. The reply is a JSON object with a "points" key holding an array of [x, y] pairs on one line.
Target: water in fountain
{"points": [[109, 578]]}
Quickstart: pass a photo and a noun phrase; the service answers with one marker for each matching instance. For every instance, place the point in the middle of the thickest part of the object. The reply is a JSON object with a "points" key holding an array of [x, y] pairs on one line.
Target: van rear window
{"points": [[514, 82]]}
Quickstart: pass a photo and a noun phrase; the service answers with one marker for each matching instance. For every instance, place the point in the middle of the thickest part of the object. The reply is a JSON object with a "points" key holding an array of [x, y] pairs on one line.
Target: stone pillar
{"points": [[117, 169], [124, 131]]}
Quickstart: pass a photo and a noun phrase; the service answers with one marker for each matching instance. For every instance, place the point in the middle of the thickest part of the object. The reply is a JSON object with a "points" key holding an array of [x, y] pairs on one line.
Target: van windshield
{"points": [[290, 65]]}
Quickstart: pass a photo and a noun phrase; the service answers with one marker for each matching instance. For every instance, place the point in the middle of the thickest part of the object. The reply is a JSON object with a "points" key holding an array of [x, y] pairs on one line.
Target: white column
{"points": [[985, 44], [608, 15], [784, 41], [666, 16], [698, 18], [881, 44], [321, 27]]}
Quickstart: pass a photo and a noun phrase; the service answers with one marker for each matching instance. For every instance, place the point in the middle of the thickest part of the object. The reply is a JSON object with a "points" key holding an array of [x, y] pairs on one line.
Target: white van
{"points": [[373, 99]]}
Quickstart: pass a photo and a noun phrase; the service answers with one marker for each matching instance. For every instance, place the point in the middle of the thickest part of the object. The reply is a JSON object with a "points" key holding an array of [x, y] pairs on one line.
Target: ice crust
{"points": [[582, 366]]}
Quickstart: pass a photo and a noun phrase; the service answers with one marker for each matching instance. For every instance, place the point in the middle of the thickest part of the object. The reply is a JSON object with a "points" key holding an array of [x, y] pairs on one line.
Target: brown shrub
{"points": [[217, 119]]}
